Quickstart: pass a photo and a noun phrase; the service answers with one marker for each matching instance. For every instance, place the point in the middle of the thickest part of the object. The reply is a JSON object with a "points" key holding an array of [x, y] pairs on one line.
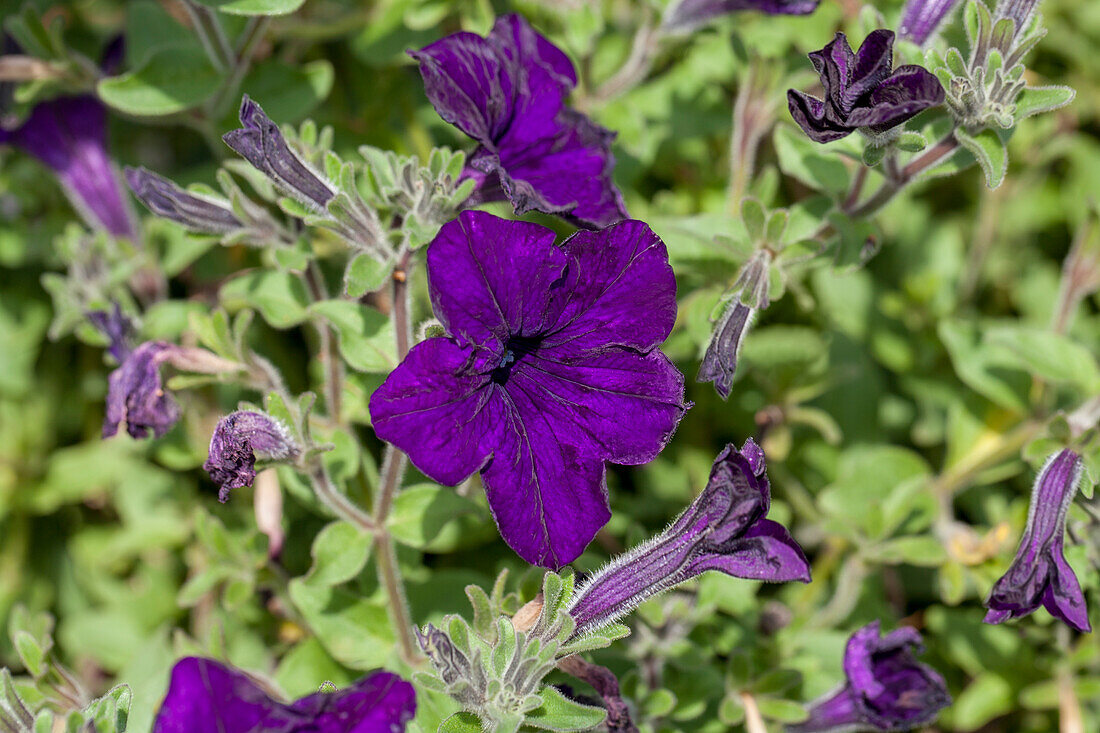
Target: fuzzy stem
{"points": [[241, 62], [894, 185], [646, 41], [389, 575], [210, 33], [334, 368], [754, 721]]}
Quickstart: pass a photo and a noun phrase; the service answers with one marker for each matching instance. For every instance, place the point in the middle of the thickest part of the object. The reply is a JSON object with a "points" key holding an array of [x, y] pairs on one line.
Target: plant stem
{"points": [[754, 721], [892, 186], [390, 577], [637, 64], [1005, 446], [340, 505], [242, 61], [334, 368], [210, 33], [856, 188]]}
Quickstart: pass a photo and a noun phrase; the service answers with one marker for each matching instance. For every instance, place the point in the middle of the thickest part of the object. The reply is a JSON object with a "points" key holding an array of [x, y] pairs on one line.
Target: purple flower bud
{"points": [[117, 328], [862, 91], [887, 688], [205, 696], [691, 14], [1020, 11], [135, 393], [723, 529], [451, 664], [1040, 575], [69, 134], [262, 144], [237, 439], [921, 18], [167, 200], [720, 361]]}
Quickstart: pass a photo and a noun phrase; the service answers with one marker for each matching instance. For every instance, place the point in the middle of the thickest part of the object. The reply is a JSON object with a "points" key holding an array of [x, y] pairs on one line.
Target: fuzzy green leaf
{"points": [[990, 152], [558, 712]]}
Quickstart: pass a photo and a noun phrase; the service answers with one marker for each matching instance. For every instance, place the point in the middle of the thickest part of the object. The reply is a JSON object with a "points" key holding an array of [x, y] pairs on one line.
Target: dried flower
{"points": [[167, 200], [135, 393], [691, 14], [549, 369], [205, 696], [723, 529], [1040, 575], [117, 328], [237, 439], [862, 90], [921, 18], [507, 91], [887, 688]]}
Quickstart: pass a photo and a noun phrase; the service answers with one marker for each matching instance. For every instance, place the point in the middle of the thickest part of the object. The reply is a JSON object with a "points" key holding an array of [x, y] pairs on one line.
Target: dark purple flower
{"points": [[887, 688], [507, 91], [117, 328], [237, 439], [135, 393], [723, 529], [262, 144], [69, 134], [550, 367], [194, 211], [205, 696], [1040, 575], [862, 90], [921, 18], [690, 14]]}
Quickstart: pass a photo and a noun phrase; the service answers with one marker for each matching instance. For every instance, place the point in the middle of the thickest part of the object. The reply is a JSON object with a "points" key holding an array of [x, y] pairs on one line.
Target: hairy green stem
{"points": [[334, 367], [210, 33], [895, 184], [242, 61]]}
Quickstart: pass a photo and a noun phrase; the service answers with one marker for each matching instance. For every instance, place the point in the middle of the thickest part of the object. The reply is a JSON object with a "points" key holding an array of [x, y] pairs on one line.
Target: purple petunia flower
{"points": [[135, 393], [1040, 575], [205, 696], [550, 367], [921, 18], [862, 90], [69, 134], [507, 91], [233, 447], [887, 688], [691, 14], [723, 529], [167, 200]]}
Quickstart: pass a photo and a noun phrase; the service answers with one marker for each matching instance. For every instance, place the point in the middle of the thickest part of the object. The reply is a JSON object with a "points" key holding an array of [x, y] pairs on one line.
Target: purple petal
{"points": [[381, 702], [765, 552], [871, 66], [622, 291], [439, 407], [490, 278], [117, 327], [523, 46], [908, 91], [233, 447], [691, 14], [548, 497], [921, 18], [135, 394], [167, 200], [1063, 597], [810, 115]]}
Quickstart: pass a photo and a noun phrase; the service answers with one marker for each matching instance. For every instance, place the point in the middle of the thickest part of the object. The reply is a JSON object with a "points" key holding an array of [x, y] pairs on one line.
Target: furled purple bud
{"points": [[167, 200], [237, 439], [691, 14], [1040, 575], [262, 144], [862, 90], [451, 664], [921, 18], [887, 688], [135, 393], [69, 134], [1021, 11], [205, 696], [720, 362], [723, 529], [117, 328]]}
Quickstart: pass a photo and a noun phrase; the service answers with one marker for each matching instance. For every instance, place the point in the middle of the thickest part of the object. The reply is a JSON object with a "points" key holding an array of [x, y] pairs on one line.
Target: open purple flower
{"points": [[69, 134], [1040, 575], [921, 18], [205, 696], [507, 91], [887, 688], [237, 439], [862, 90], [550, 367], [164, 198], [690, 14], [724, 529]]}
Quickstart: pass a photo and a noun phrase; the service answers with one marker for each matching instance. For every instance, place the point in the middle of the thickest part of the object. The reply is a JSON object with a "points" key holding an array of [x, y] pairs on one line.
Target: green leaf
{"points": [[280, 297], [990, 152], [986, 698], [753, 215], [816, 166], [436, 519], [461, 723], [366, 274], [340, 551], [289, 92], [922, 551], [1036, 100], [171, 80], [254, 7], [355, 630], [558, 712], [366, 336], [1051, 356], [784, 711], [988, 369]]}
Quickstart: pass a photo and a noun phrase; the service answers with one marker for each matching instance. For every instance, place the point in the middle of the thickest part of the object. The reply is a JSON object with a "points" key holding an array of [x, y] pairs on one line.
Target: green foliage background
{"points": [[904, 405]]}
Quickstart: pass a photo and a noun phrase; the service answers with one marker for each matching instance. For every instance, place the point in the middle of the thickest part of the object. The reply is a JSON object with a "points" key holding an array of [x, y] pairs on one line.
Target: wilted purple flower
{"points": [[862, 90], [117, 328], [507, 91], [165, 199], [262, 144], [723, 529], [921, 18], [550, 367], [205, 696], [69, 134], [237, 439], [135, 393], [887, 688], [690, 14], [720, 362], [1040, 575]]}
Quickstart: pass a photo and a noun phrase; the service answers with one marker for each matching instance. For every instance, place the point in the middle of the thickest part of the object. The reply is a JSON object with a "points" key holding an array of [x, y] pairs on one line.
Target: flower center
{"points": [[515, 348]]}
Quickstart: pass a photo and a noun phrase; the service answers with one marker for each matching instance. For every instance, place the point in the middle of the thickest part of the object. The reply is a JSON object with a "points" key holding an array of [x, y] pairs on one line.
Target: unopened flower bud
{"points": [[167, 200]]}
